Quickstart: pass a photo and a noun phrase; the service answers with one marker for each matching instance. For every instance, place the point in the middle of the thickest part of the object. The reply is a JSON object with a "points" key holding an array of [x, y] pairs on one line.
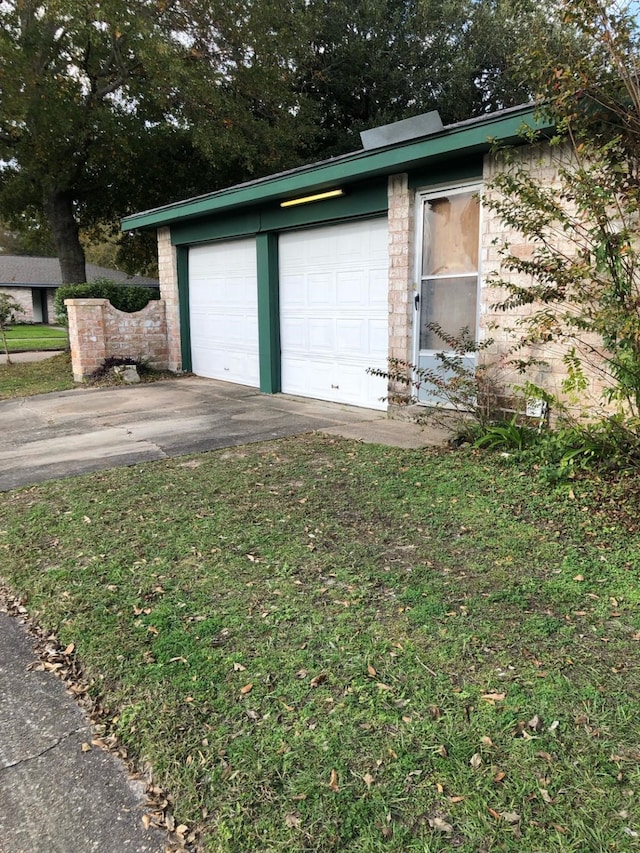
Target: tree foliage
{"points": [[379, 61], [581, 285], [127, 104]]}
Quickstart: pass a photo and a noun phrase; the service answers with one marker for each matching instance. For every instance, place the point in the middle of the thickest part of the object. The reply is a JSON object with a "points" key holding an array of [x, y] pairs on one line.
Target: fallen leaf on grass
{"points": [[246, 689], [69, 649], [499, 777], [545, 795], [368, 779], [237, 667], [510, 817], [486, 740], [535, 723], [456, 799], [371, 670], [440, 825], [292, 820], [318, 679], [494, 697], [442, 751], [333, 781], [476, 760]]}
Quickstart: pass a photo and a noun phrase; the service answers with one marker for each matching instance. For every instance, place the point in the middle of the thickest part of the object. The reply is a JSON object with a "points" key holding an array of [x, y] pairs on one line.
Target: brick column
{"points": [[87, 336], [168, 272], [401, 270]]}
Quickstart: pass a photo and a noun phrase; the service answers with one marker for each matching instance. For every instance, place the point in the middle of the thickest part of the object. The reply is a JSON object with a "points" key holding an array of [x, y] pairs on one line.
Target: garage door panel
{"points": [[223, 309], [295, 337], [351, 337], [378, 287], [378, 341], [334, 311], [319, 290], [321, 336]]}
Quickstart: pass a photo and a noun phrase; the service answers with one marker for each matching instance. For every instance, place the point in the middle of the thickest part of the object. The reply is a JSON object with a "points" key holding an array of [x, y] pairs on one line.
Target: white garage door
{"points": [[334, 312], [223, 311]]}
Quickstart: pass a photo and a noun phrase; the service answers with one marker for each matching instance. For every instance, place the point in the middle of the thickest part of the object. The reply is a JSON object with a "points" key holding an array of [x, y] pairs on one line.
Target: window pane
{"points": [[451, 235], [450, 302]]}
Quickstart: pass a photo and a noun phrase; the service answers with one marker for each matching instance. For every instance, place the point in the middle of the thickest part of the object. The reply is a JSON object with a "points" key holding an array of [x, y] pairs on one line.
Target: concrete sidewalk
{"points": [[32, 355], [56, 795]]}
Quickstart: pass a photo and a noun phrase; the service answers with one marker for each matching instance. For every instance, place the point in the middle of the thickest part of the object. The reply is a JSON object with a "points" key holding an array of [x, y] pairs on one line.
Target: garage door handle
{"points": [[416, 301]]}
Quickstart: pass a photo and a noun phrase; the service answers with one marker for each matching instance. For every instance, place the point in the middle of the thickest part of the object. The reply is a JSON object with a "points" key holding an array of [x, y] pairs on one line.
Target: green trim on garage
{"points": [[365, 199], [268, 312], [469, 169], [467, 139], [182, 263]]}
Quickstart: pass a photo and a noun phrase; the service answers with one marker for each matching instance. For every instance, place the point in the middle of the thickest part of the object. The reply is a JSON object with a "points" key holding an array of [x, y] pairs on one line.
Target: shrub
{"points": [[122, 296], [466, 395]]}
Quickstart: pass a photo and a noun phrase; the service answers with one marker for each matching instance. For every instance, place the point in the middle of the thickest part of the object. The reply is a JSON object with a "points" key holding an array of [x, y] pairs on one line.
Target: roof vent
{"points": [[402, 131]]}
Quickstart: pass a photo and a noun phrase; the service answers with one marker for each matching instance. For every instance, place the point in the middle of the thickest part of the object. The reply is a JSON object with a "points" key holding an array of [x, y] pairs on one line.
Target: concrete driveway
{"points": [[71, 432]]}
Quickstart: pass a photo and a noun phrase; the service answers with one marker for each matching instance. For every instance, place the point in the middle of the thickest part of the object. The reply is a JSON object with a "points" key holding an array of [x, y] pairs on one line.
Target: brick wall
{"points": [[51, 310], [21, 295], [168, 274], [97, 331], [505, 329], [401, 271]]}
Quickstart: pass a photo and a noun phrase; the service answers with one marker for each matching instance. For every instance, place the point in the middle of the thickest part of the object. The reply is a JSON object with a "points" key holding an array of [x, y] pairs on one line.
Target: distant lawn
{"points": [[36, 336], [332, 647], [36, 377]]}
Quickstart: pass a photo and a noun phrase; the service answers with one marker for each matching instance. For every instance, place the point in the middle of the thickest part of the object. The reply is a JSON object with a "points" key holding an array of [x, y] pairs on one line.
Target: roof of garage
{"points": [[456, 140]]}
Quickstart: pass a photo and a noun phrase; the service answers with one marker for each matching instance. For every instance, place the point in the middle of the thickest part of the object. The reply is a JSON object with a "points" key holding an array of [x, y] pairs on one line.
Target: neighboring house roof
{"points": [[458, 140], [27, 271]]}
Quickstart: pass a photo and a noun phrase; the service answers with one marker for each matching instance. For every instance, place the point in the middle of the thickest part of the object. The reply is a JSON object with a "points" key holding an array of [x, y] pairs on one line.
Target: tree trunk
{"points": [[59, 207]]}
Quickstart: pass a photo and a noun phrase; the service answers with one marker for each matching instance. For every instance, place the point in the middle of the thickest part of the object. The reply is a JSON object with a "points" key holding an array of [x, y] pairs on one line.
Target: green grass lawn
{"points": [[36, 336], [36, 377], [321, 645]]}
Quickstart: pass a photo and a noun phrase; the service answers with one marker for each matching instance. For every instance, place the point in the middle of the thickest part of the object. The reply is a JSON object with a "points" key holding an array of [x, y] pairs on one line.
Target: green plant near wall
{"points": [[123, 297], [578, 289], [467, 396]]}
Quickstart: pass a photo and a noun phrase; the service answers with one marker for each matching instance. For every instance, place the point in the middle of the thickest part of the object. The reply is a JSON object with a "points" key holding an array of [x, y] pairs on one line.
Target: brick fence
{"points": [[98, 331]]}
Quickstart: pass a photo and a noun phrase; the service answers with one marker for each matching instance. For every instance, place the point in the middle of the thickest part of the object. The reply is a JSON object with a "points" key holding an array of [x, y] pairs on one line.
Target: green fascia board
{"points": [[361, 200], [456, 141], [467, 169]]}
